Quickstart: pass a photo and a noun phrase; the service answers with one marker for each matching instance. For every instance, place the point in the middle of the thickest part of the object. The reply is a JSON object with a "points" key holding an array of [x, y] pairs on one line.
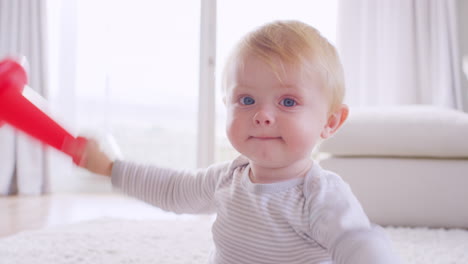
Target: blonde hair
{"points": [[297, 44]]}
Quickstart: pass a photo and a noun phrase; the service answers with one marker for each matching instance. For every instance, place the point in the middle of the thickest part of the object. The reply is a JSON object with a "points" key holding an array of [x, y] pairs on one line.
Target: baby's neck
{"points": [[263, 174]]}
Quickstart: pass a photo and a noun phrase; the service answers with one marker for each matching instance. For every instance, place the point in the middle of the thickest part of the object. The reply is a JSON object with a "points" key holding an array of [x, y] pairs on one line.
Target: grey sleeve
{"points": [[339, 224], [179, 191], [370, 246]]}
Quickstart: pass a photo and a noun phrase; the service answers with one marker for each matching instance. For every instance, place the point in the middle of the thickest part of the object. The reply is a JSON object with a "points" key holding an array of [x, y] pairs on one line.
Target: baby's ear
{"points": [[335, 120]]}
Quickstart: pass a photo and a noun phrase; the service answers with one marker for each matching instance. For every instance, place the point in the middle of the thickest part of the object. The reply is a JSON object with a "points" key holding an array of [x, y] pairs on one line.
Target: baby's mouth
{"points": [[264, 138]]}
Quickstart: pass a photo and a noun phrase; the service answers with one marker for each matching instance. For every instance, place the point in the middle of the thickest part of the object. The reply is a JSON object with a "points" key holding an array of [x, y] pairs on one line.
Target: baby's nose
{"points": [[263, 118]]}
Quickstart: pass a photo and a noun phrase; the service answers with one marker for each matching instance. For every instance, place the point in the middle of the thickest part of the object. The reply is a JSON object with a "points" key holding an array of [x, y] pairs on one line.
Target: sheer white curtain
{"points": [[400, 52], [23, 168]]}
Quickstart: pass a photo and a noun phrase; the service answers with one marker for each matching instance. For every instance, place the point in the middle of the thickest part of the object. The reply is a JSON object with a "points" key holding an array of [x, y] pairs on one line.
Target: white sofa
{"points": [[407, 165]]}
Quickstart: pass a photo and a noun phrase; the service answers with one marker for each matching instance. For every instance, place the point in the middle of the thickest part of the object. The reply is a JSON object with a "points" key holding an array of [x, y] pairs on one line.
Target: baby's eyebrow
{"points": [[292, 89], [289, 87]]}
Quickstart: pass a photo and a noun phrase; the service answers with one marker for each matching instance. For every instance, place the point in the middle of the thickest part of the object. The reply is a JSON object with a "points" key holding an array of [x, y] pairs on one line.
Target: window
{"points": [[137, 76]]}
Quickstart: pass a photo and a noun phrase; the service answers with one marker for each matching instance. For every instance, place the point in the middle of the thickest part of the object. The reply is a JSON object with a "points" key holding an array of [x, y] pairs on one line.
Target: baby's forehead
{"points": [[276, 71]]}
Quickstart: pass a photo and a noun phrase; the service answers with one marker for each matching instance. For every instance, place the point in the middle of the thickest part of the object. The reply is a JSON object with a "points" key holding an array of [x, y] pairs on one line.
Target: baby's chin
{"points": [[269, 162], [278, 161]]}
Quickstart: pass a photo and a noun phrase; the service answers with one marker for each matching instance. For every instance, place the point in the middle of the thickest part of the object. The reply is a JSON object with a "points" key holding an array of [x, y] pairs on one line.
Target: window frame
{"points": [[207, 85]]}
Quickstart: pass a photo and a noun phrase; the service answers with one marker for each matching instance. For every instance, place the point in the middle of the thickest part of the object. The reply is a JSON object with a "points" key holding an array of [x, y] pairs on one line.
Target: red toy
{"points": [[25, 116]]}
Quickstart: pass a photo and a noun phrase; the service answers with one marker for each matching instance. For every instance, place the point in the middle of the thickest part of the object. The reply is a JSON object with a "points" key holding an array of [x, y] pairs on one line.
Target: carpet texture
{"points": [[110, 240]]}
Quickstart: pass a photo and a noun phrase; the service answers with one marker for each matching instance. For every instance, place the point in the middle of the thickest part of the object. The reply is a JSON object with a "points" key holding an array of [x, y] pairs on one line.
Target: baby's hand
{"points": [[95, 160]]}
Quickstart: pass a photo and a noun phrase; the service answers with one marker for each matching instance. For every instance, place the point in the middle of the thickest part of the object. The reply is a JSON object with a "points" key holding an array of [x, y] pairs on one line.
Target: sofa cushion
{"points": [[402, 131], [407, 192]]}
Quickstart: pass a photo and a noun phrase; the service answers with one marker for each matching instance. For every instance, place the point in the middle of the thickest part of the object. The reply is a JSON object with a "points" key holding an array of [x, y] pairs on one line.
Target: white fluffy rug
{"points": [[186, 241]]}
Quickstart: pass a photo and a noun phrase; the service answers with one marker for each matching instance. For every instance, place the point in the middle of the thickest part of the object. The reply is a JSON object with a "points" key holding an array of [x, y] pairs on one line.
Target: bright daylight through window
{"points": [[137, 76]]}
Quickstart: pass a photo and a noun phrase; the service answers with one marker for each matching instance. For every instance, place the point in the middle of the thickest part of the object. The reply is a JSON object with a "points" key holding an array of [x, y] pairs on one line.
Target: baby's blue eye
{"points": [[247, 100], [288, 102]]}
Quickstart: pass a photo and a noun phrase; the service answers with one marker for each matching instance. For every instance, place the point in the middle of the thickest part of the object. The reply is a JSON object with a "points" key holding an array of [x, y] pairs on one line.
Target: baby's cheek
{"points": [[232, 130], [303, 140]]}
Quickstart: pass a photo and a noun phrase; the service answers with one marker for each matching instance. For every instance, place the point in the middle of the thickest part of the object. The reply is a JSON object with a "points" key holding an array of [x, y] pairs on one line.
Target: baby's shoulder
{"points": [[227, 170], [320, 183], [239, 163]]}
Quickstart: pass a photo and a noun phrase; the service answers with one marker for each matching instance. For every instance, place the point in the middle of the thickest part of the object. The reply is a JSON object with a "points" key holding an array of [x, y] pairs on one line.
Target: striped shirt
{"points": [[315, 219]]}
